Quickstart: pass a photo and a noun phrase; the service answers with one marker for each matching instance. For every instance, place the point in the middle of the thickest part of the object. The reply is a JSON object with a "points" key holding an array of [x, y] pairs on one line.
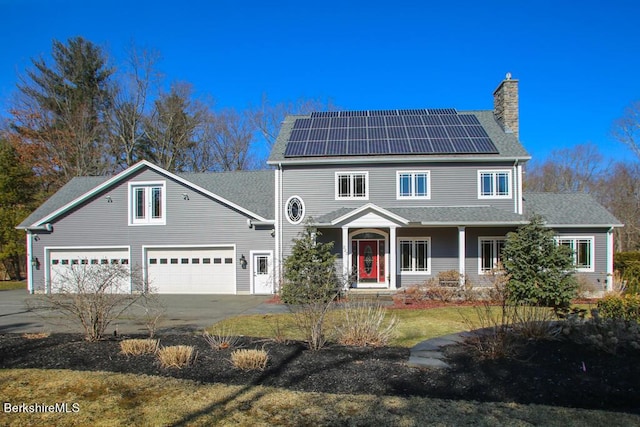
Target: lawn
{"points": [[8, 285]]}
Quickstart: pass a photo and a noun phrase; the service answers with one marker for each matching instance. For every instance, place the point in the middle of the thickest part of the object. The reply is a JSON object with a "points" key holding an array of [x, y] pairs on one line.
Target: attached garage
{"points": [[67, 267], [191, 270]]}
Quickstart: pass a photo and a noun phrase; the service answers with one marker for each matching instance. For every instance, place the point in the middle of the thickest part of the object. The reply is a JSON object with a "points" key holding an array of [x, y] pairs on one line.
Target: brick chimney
{"points": [[505, 105]]}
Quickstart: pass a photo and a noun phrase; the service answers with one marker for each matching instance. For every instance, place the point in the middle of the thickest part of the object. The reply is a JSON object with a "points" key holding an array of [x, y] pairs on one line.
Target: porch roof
{"points": [[440, 216]]}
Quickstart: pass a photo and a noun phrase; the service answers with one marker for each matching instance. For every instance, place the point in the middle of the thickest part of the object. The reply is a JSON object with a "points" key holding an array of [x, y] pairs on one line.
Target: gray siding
{"points": [[599, 275], [197, 221]]}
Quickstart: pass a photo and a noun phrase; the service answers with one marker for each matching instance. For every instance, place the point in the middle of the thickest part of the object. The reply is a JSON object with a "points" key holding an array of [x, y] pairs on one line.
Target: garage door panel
{"points": [[68, 267], [191, 270]]}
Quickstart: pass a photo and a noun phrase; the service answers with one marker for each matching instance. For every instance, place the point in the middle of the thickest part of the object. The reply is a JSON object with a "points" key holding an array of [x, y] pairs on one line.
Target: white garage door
{"points": [[192, 270], [87, 268]]}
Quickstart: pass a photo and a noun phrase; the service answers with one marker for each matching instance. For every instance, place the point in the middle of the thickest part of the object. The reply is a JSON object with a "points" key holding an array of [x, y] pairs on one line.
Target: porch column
{"points": [[462, 250], [392, 258], [609, 279], [346, 263]]}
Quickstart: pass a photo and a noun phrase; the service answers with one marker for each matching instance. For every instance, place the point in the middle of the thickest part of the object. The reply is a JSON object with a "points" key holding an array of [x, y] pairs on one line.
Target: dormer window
{"points": [[352, 185], [147, 203]]}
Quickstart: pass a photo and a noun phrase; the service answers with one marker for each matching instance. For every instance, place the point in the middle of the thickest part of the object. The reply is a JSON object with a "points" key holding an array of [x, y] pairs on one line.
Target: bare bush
{"points": [[221, 338], [176, 356], [36, 335], [250, 359], [365, 324], [137, 347], [152, 309], [91, 295]]}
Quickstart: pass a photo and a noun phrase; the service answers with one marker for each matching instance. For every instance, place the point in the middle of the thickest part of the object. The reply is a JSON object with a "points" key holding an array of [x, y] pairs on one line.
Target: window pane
{"points": [[503, 184], [359, 186], [583, 254], [405, 185], [156, 197], [486, 184], [139, 196], [486, 255], [421, 185], [344, 182], [421, 256], [406, 255]]}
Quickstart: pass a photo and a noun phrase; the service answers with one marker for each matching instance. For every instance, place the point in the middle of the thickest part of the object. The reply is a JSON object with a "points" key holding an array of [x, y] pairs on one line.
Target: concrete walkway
{"points": [[428, 354]]}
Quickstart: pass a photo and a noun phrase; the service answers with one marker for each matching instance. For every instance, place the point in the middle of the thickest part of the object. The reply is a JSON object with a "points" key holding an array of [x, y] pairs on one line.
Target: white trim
{"points": [[271, 266], [122, 175], [494, 260], [592, 251], [29, 258], [346, 251], [373, 208], [610, 249], [351, 175], [286, 208], [145, 263], [393, 267], [277, 228], [520, 196], [494, 173], [393, 159], [47, 260], [462, 253], [413, 258], [413, 176], [147, 185]]}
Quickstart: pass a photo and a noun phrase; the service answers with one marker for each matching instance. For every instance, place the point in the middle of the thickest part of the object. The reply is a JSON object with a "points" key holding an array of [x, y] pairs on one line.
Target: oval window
{"points": [[295, 210]]}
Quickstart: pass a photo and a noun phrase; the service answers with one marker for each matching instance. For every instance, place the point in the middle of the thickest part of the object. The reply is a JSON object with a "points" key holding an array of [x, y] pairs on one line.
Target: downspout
{"points": [[516, 187], [279, 232], [29, 262]]}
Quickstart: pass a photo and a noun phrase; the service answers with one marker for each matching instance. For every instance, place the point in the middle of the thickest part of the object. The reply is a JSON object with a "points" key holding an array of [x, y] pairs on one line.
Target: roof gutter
{"points": [[382, 159], [45, 227]]}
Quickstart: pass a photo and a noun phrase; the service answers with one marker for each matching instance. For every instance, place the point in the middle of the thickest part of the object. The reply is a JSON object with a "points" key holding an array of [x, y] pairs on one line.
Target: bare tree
{"points": [[621, 194], [130, 98], [575, 169], [267, 117], [627, 128]]}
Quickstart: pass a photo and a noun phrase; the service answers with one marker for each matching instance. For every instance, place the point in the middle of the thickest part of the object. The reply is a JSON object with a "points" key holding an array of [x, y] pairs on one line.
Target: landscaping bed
{"points": [[557, 373]]}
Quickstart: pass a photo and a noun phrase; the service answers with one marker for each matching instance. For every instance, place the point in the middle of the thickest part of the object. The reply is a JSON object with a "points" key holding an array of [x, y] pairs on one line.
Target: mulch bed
{"points": [[557, 373]]}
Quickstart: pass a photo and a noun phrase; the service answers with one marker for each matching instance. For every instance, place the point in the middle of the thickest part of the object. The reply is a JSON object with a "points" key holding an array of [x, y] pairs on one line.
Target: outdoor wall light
{"points": [[273, 232], [35, 262], [109, 200], [185, 196], [243, 262]]}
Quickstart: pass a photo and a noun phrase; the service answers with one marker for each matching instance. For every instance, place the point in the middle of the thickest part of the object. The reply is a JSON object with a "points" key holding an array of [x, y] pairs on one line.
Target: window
{"points": [[494, 184], [490, 253], [413, 185], [295, 210], [582, 248], [352, 185], [414, 255], [147, 203]]}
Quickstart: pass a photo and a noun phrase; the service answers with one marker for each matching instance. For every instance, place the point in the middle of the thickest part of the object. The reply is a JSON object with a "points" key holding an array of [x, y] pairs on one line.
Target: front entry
{"points": [[368, 261]]}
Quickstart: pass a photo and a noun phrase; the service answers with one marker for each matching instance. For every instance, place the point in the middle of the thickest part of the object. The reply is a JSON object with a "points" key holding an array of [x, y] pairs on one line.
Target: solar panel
{"points": [[388, 132]]}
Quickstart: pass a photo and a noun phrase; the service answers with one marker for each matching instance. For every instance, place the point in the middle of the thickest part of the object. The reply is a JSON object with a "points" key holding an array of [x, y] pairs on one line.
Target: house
{"points": [[404, 194]]}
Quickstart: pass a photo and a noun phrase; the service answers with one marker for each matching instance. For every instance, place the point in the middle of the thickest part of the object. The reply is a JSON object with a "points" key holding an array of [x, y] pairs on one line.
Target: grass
{"points": [[8, 285], [413, 327], [106, 399]]}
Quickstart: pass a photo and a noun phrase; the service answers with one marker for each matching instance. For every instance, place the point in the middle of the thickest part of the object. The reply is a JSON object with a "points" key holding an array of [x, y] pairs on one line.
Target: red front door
{"points": [[368, 260]]}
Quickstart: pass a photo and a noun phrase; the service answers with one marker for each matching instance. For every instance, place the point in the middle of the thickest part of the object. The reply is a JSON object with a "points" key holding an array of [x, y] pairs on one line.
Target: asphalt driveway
{"points": [[183, 313]]}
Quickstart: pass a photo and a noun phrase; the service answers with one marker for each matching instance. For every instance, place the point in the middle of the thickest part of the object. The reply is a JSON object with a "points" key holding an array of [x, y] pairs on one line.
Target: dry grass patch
{"points": [[250, 359], [36, 335], [221, 338], [365, 324], [137, 346], [125, 399], [176, 356]]}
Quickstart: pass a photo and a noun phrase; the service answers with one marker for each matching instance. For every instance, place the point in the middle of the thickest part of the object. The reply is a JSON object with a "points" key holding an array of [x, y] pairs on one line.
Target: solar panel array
{"points": [[383, 132]]}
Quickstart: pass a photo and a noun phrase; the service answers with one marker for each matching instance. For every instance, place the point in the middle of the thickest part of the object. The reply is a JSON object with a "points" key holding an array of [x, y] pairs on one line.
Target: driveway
{"points": [[184, 313]]}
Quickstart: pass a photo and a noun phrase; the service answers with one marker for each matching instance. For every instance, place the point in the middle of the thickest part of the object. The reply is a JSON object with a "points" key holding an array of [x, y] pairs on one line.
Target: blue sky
{"points": [[577, 65]]}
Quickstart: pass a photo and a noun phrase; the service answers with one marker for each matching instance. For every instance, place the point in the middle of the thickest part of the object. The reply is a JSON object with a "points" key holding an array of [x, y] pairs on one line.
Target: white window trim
{"points": [[480, 239], [131, 205], [494, 172], [352, 173], [286, 210], [413, 262], [592, 257], [413, 174]]}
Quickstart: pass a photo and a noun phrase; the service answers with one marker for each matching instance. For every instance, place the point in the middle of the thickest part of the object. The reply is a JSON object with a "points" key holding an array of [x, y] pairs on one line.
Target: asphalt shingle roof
{"points": [[568, 209], [252, 190]]}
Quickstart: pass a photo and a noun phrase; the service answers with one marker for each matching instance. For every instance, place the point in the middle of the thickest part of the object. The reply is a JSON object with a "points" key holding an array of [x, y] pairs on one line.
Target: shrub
{"points": [[250, 359], [310, 285], [176, 356], [363, 324], [604, 334], [221, 339], [625, 307], [36, 335], [540, 270], [137, 347]]}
